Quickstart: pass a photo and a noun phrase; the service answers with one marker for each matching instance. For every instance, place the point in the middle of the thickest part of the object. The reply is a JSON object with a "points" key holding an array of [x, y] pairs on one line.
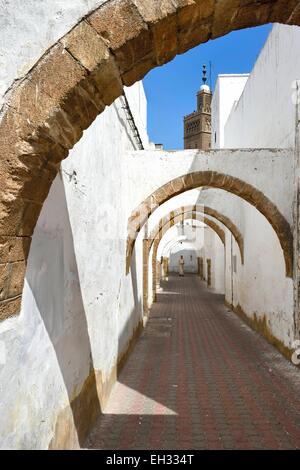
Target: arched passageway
{"points": [[44, 115], [157, 235], [176, 217], [46, 112], [192, 211], [214, 180], [190, 255]]}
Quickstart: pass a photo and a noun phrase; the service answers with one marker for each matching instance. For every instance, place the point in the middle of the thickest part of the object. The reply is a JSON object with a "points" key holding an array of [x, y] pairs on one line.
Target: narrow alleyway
{"points": [[199, 378]]}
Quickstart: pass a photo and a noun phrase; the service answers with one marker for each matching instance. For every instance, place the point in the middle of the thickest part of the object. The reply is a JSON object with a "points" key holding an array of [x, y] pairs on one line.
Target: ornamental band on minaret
{"points": [[197, 126]]}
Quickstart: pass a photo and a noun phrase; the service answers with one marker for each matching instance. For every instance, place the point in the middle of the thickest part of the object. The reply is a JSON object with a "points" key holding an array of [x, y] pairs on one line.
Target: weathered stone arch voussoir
{"points": [[46, 113], [231, 184], [200, 209]]}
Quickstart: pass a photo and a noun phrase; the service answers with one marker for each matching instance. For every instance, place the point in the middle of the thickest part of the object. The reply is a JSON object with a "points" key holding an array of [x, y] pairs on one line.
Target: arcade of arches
{"points": [[94, 220]]}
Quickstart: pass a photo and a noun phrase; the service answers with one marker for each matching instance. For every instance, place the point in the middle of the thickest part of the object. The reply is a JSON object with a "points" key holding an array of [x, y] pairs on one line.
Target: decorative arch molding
{"points": [[215, 180], [201, 209], [47, 111]]}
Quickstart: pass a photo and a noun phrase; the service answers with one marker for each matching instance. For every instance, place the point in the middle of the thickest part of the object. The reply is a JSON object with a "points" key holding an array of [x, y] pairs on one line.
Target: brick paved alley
{"points": [[199, 378]]}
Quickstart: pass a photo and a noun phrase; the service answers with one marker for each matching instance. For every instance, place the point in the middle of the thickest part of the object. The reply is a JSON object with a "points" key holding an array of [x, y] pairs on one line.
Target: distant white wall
{"points": [[187, 240], [265, 114], [189, 253], [199, 241], [182, 238], [189, 247]]}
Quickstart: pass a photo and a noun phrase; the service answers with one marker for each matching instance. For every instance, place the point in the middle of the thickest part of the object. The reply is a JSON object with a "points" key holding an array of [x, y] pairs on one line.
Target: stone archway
{"points": [[215, 180], [164, 225], [46, 113], [170, 220], [201, 209], [175, 217]]}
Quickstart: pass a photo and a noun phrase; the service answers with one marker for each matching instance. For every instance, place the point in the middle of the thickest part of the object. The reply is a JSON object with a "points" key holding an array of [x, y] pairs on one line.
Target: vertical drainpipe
{"points": [[296, 214]]}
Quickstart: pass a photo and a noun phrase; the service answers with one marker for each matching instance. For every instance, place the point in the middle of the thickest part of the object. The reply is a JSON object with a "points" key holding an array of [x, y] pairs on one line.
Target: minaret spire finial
{"points": [[204, 78]]}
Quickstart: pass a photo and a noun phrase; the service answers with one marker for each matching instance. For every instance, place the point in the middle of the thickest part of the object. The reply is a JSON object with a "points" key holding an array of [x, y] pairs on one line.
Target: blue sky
{"points": [[171, 89]]}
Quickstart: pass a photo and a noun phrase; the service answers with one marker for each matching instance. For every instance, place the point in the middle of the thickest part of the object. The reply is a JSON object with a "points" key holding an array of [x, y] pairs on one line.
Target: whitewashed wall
{"points": [[73, 316], [79, 309], [227, 92], [263, 117], [259, 286], [262, 287], [214, 250], [265, 114], [154, 168]]}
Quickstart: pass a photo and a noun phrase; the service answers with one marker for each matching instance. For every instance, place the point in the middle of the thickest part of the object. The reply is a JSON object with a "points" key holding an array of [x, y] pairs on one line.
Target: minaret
{"points": [[197, 126]]}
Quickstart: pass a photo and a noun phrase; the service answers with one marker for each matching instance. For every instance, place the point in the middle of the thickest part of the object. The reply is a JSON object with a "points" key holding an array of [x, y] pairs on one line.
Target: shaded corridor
{"points": [[199, 378]]}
